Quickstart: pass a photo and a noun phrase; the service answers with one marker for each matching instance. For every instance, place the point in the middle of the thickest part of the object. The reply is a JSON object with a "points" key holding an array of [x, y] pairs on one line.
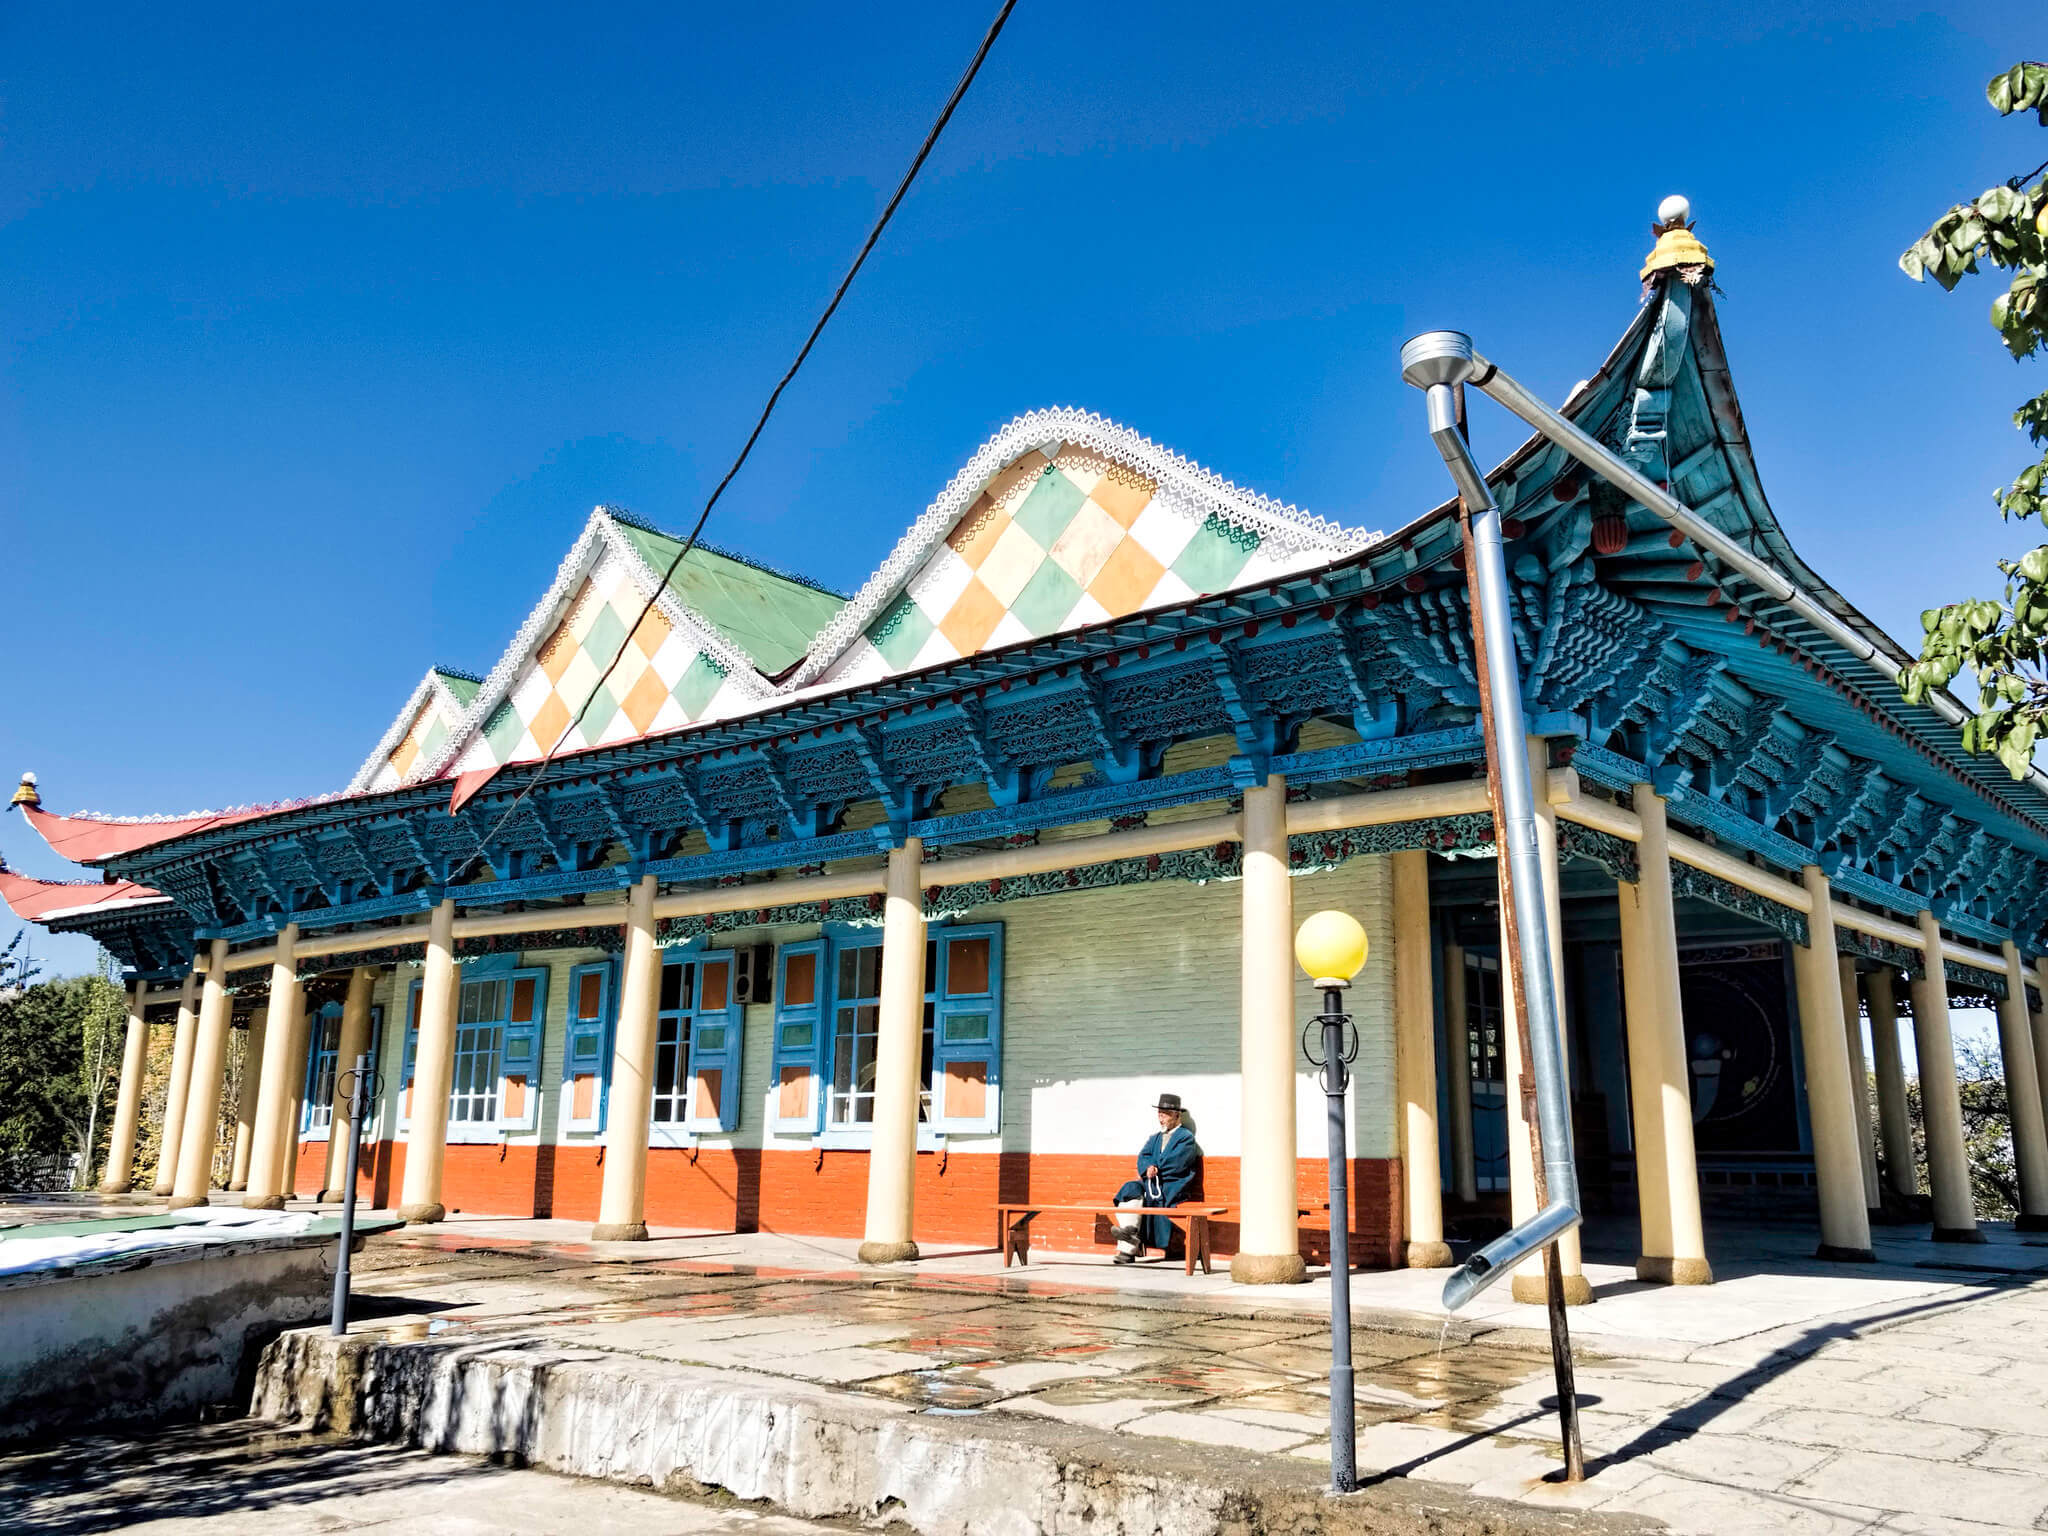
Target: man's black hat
{"points": [[1169, 1101]]}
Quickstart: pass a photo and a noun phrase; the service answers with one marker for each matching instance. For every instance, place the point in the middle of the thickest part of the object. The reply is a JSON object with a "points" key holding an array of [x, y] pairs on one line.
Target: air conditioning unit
{"points": [[754, 974]]}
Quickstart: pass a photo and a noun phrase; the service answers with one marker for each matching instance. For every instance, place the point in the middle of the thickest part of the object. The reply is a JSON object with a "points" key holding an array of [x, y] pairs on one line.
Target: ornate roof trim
{"points": [[600, 535], [1178, 477], [433, 686]]}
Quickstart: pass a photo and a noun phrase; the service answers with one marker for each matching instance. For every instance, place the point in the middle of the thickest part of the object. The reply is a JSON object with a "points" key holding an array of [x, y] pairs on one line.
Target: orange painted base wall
{"points": [[824, 1194]]}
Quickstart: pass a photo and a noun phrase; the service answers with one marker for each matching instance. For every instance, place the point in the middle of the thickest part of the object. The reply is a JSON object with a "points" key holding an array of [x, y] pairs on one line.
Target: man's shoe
{"points": [[1124, 1258]]}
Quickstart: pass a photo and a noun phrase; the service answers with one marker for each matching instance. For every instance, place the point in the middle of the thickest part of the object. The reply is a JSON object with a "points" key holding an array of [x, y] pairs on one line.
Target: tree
{"points": [[45, 1118], [103, 1031], [2000, 640]]}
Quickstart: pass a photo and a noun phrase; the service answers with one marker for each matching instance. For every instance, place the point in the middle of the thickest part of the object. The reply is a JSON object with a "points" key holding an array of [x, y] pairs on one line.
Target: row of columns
{"points": [[1673, 1245], [270, 1099]]}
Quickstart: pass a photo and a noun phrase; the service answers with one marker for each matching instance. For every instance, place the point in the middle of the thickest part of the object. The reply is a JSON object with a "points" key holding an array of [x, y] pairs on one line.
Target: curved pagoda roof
{"points": [[1078, 593]]}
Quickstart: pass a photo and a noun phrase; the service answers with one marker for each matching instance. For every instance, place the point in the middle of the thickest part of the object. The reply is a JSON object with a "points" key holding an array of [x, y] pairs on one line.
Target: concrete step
{"points": [[821, 1454]]}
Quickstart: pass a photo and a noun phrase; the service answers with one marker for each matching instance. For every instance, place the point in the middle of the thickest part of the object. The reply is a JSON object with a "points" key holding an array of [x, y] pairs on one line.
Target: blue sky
{"points": [[324, 330]]}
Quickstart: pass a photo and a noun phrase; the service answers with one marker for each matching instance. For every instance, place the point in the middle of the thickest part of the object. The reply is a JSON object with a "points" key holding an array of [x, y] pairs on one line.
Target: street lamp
{"points": [[1331, 948]]}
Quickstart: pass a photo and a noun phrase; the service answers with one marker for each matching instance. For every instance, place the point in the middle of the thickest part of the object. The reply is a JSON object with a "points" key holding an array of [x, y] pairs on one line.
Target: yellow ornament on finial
{"points": [[1331, 947], [1677, 248], [26, 793]]}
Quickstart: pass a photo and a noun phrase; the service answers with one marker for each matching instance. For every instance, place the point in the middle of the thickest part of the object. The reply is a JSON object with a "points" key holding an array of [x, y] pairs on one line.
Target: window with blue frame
{"points": [[326, 1040], [321, 1064], [587, 1047], [498, 1026], [697, 1043], [827, 1021]]}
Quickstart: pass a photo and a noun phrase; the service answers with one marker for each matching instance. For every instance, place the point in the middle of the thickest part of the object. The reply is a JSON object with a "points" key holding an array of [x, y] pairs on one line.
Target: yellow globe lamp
{"points": [[1331, 947]]}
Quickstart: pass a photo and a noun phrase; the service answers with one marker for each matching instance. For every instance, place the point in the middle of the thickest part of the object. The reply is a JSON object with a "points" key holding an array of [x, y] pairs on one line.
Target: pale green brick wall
{"points": [[1110, 997]]}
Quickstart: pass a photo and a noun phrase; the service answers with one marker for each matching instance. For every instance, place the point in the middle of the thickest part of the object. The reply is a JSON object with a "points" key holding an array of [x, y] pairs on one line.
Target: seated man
{"points": [[1169, 1172]]}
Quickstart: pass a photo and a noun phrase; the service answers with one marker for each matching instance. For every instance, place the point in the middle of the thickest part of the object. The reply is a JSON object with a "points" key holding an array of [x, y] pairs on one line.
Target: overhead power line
{"points": [[924, 151]]}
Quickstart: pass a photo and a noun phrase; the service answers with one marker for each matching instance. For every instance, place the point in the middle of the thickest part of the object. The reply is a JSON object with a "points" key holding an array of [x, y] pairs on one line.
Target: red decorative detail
{"points": [[29, 898], [1251, 629], [995, 886], [1327, 611], [1513, 528], [1696, 570], [1413, 581], [1289, 620], [1151, 862], [1610, 533], [1677, 538], [1370, 601]]}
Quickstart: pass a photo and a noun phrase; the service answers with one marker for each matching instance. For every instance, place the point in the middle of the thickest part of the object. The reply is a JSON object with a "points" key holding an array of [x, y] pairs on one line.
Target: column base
{"points": [[1268, 1269], [235, 1189], [1660, 1271], [1958, 1235], [619, 1232], [123, 1186], [887, 1253], [422, 1211], [1835, 1255], [2028, 1222], [1430, 1256], [1535, 1290], [330, 1196], [264, 1203], [185, 1202]]}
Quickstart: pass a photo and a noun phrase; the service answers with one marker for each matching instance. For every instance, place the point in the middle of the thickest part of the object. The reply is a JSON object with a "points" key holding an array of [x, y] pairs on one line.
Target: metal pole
{"points": [[1435, 363], [1343, 1417], [359, 1100]]}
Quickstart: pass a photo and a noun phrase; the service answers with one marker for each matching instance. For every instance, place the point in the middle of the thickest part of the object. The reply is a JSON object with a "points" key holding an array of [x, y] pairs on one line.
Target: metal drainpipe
{"points": [[1488, 377], [1433, 363]]}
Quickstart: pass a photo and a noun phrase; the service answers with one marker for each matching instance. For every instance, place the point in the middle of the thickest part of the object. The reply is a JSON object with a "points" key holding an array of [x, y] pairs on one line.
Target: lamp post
{"points": [[1331, 948]]}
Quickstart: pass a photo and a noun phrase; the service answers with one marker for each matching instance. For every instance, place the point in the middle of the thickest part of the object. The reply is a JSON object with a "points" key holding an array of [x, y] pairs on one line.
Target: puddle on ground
{"points": [[954, 1390]]}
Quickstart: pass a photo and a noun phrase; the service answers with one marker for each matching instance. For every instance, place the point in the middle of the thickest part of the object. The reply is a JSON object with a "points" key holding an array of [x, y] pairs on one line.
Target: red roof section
{"points": [[30, 899], [88, 840]]}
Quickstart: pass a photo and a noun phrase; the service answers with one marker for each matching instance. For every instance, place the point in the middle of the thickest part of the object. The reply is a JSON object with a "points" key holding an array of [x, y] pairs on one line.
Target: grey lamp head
{"points": [[1437, 357]]}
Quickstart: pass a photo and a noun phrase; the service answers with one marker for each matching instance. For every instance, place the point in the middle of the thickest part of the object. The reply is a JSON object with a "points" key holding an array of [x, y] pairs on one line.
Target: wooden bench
{"points": [[1013, 1226]]}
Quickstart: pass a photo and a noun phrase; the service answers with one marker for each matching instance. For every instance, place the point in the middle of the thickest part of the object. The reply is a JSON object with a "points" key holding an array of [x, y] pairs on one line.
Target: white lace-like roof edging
{"points": [[430, 685], [1288, 526], [600, 532], [254, 808]]}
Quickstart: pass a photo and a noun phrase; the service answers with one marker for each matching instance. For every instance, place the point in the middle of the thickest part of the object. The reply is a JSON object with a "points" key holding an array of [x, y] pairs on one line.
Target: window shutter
{"points": [[412, 1043], [715, 1033], [587, 1051], [967, 1036], [796, 1081], [519, 1058]]}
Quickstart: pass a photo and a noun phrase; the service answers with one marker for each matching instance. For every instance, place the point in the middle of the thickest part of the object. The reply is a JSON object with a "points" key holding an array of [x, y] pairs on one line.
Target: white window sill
{"points": [[862, 1140]]}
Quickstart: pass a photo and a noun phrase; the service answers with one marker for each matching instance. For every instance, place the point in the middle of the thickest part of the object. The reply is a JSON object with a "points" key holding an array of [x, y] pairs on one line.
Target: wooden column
{"points": [[179, 1088], [1528, 1284], [355, 1039], [1837, 1166], [1941, 1103], [1269, 1239], [899, 1050], [281, 1021], [254, 1043], [1859, 1080], [1415, 1063], [128, 1100], [433, 1071], [202, 1103], [2039, 1020], [622, 1202], [1894, 1125], [1458, 1059], [1674, 1243], [2023, 1095]]}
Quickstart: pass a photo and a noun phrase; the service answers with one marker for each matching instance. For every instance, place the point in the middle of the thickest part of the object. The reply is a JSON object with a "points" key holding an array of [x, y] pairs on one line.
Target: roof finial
{"points": [[1678, 248], [26, 794]]}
